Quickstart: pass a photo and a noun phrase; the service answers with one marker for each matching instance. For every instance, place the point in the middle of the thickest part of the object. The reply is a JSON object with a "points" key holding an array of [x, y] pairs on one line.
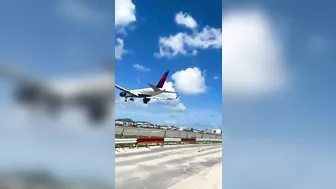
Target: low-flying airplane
{"points": [[147, 93], [93, 93]]}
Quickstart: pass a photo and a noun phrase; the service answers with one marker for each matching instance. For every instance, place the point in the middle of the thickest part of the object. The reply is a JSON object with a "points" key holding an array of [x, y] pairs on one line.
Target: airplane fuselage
{"points": [[142, 93]]}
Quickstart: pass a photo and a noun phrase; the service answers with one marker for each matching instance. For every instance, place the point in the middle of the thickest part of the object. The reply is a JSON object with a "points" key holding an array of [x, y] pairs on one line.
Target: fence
{"points": [[135, 132]]}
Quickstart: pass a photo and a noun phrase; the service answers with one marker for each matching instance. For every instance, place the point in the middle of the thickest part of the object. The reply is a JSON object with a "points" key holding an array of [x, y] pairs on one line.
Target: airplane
{"points": [[147, 93], [93, 94]]}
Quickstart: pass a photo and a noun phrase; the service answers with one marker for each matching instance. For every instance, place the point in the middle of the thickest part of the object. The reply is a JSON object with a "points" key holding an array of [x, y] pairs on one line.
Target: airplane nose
{"points": [[122, 94]]}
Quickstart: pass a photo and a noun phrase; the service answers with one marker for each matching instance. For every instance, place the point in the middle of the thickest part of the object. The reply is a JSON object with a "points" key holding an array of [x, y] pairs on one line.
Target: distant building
{"points": [[216, 131], [119, 123]]}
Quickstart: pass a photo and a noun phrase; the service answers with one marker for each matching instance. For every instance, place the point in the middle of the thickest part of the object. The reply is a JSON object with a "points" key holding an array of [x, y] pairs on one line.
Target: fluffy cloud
{"points": [[186, 20], [252, 59], [188, 44], [177, 107], [176, 104], [140, 67], [124, 12], [119, 49], [190, 81], [124, 15], [215, 77]]}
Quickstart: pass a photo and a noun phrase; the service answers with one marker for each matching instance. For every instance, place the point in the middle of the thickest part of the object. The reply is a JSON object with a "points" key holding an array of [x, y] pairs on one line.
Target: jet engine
{"points": [[28, 94], [122, 94], [96, 109]]}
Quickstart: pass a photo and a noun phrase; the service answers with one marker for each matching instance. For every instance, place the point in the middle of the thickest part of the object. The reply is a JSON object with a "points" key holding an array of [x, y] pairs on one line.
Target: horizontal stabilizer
{"points": [[153, 87], [164, 91]]}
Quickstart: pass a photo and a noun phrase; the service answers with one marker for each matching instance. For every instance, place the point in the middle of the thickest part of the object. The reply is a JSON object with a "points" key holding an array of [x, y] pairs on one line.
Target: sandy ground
{"points": [[178, 167], [208, 179]]}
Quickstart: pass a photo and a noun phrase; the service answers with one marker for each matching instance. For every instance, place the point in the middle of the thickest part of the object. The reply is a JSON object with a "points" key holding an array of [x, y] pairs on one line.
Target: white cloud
{"points": [[124, 12], [207, 38], [177, 107], [186, 20], [252, 59], [124, 16], [188, 44], [190, 81], [215, 77], [119, 49], [176, 104], [141, 67], [172, 46], [82, 11]]}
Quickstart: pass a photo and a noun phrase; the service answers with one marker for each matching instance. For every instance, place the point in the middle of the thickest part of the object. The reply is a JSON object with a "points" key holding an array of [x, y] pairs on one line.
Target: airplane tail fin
{"points": [[162, 80]]}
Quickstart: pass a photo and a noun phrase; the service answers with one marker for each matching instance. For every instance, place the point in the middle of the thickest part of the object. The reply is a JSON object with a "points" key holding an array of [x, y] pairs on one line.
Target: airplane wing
{"points": [[125, 90]]}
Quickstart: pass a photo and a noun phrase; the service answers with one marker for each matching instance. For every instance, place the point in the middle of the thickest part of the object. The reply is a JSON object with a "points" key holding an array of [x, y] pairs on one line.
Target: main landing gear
{"points": [[146, 100], [132, 99]]}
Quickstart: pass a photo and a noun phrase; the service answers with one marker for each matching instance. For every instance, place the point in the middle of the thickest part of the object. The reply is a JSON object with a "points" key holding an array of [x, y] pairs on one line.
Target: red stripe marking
{"points": [[188, 139], [156, 139]]}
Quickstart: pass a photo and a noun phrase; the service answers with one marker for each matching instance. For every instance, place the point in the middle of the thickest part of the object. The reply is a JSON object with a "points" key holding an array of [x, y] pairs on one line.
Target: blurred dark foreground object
{"points": [[92, 93], [42, 180]]}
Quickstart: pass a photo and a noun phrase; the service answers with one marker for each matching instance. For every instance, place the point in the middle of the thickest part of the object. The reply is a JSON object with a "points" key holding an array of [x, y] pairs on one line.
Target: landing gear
{"points": [[132, 99], [146, 100]]}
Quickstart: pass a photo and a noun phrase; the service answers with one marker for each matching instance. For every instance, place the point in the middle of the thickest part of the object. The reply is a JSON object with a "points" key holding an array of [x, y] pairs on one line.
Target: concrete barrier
{"points": [[122, 142], [135, 132]]}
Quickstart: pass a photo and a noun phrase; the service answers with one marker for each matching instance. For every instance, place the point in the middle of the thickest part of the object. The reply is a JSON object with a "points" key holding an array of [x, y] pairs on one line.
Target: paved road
{"points": [[162, 167]]}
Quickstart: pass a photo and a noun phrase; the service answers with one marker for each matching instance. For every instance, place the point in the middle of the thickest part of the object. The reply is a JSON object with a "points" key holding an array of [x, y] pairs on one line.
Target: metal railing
{"points": [[135, 132]]}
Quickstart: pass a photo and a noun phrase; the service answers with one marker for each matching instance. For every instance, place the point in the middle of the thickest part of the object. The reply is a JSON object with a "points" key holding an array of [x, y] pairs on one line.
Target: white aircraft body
{"points": [[147, 93], [94, 94]]}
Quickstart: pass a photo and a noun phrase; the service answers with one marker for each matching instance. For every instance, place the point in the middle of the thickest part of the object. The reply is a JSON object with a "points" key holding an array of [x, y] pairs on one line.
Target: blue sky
{"points": [[277, 119], [140, 32], [306, 47], [54, 39], [66, 33], [278, 110]]}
